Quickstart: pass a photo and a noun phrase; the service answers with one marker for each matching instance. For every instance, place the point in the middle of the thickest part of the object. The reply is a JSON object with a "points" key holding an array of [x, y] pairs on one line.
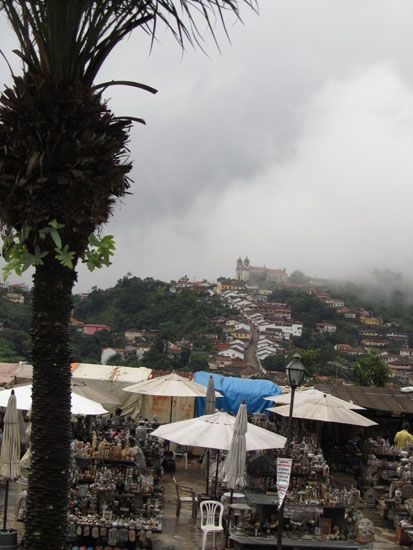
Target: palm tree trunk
{"points": [[47, 499]]}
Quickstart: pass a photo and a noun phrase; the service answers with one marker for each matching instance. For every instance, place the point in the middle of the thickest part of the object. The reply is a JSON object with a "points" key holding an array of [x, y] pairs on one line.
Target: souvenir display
{"points": [[116, 494], [315, 509]]}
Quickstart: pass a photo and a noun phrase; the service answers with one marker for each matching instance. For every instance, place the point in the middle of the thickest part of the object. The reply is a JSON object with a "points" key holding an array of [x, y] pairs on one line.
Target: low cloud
{"points": [[339, 206]]}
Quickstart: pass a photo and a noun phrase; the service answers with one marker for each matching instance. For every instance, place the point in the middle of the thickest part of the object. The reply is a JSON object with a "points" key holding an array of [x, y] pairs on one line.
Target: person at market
{"points": [[155, 423], [403, 436], [138, 455], [168, 463]]}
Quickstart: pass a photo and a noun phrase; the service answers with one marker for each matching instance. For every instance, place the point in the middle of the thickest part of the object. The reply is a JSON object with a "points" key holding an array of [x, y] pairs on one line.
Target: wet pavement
{"points": [[184, 533], [180, 533]]}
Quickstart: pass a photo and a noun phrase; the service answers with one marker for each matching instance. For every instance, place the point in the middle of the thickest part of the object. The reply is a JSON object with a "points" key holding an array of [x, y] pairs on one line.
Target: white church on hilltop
{"points": [[248, 273]]}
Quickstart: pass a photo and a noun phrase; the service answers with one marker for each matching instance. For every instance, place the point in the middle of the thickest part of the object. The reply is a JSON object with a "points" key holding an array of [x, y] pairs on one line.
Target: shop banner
{"points": [[283, 478]]}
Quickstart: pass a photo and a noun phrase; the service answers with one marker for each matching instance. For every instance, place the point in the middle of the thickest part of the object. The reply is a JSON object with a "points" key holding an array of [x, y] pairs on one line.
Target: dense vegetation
{"points": [[133, 303], [149, 304], [15, 321]]}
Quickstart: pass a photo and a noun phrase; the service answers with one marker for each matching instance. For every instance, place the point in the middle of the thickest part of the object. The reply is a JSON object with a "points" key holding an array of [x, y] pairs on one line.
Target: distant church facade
{"points": [[252, 274]]}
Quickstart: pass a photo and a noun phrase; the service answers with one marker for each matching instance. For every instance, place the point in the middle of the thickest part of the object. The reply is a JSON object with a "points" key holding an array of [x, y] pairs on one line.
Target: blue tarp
{"points": [[236, 390]]}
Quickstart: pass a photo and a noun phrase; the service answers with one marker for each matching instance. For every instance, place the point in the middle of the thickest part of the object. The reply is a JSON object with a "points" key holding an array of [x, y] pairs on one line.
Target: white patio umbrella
{"points": [[324, 409], [80, 405], [234, 466], [214, 431], [307, 396], [10, 450], [172, 385]]}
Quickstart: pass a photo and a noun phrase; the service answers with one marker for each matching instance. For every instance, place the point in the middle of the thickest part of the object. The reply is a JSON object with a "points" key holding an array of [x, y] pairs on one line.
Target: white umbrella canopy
{"points": [[323, 409], [80, 405], [171, 385], [10, 447], [215, 431], [234, 466], [309, 395], [210, 399]]}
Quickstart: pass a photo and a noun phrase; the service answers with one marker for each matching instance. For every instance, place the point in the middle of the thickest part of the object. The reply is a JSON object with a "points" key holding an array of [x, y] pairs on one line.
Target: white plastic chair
{"points": [[211, 519]]}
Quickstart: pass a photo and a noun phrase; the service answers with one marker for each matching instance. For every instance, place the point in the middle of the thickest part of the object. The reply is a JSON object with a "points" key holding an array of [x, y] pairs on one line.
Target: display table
{"points": [[242, 542], [264, 504]]}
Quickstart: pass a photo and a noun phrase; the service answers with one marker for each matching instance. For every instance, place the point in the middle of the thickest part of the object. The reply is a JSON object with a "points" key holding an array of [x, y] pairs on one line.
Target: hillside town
{"points": [[257, 326], [244, 336]]}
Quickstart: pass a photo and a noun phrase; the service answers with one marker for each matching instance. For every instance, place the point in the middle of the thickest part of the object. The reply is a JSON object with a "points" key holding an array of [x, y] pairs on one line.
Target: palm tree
{"points": [[63, 164]]}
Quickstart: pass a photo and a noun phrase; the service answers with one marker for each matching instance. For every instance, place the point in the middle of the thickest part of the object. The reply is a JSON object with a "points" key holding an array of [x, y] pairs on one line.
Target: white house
{"points": [[107, 353], [326, 328], [263, 354], [233, 353], [141, 349], [333, 302], [242, 326], [132, 334], [294, 329]]}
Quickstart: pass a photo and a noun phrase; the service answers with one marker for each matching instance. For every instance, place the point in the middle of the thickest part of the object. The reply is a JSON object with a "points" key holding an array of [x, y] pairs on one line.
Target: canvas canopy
{"points": [[112, 380], [172, 386], [104, 378]]}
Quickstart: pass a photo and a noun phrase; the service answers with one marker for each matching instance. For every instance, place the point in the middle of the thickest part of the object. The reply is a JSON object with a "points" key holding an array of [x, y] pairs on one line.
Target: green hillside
{"points": [[149, 304]]}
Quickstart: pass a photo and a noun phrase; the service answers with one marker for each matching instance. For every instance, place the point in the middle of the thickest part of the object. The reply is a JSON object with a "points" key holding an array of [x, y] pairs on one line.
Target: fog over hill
{"points": [[293, 145]]}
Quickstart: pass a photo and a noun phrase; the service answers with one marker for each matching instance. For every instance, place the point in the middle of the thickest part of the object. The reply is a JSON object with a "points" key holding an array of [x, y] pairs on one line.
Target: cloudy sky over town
{"points": [[294, 144]]}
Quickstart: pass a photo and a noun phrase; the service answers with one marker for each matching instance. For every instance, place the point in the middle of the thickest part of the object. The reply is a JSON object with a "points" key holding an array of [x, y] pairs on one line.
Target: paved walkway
{"points": [[184, 533]]}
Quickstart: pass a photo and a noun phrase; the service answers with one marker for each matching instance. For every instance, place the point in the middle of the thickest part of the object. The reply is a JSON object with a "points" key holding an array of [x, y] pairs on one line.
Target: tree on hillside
{"points": [[370, 370], [63, 164], [312, 361], [275, 363], [298, 276]]}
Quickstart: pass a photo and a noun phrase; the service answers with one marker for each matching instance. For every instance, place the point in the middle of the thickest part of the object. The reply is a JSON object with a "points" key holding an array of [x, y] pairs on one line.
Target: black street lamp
{"points": [[295, 371]]}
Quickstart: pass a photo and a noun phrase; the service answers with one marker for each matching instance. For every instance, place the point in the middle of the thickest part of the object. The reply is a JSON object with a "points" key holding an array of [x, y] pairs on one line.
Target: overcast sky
{"points": [[293, 145]]}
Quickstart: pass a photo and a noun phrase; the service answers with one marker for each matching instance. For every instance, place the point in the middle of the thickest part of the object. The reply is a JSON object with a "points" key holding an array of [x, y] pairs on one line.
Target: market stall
{"points": [[116, 493]]}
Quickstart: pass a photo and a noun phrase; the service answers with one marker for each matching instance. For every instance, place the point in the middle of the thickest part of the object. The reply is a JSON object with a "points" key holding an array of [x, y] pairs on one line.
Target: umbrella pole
{"points": [[216, 475], [6, 502], [170, 411], [207, 474]]}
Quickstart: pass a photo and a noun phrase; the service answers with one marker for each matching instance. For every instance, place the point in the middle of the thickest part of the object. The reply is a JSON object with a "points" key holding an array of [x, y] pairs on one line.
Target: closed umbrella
{"points": [[309, 395], [210, 408], [234, 467], [80, 405], [171, 385], [10, 450], [324, 409], [210, 405]]}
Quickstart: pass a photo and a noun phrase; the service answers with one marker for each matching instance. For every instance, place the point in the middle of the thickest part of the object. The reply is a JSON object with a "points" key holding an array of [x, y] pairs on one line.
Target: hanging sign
{"points": [[283, 478]]}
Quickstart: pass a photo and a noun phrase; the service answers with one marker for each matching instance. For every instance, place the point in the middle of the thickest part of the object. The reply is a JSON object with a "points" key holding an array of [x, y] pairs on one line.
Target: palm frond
{"points": [[70, 40]]}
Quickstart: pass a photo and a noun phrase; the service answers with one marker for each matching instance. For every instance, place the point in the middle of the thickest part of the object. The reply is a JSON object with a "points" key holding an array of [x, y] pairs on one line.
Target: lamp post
{"points": [[295, 371]]}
